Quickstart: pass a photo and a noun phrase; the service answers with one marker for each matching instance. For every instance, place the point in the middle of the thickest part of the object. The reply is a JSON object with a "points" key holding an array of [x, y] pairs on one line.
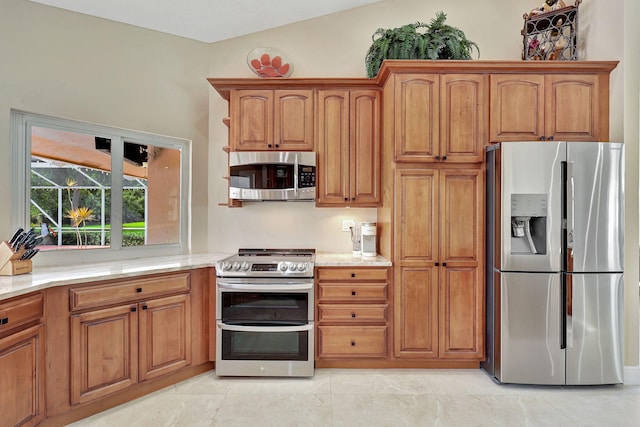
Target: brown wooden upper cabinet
{"points": [[440, 118], [348, 146], [561, 107], [263, 120]]}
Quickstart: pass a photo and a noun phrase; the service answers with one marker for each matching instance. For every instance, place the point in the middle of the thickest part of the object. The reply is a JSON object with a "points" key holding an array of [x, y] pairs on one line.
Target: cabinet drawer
{"points": [[352, 341], [353, 273], [20, 311], [352, 292], [365, 313], [130, 290]]}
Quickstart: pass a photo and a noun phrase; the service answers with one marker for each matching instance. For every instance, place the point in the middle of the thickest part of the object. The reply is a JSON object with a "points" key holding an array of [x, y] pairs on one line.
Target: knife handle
{"points": [[15, 236]]}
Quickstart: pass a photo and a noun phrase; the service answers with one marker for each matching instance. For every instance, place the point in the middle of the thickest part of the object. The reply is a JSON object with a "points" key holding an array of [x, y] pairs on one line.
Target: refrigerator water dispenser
{"points": [[528, 224]]}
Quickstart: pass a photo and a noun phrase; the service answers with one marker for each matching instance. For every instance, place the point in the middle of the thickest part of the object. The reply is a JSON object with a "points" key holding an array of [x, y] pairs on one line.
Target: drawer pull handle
{"points": [[133, 309], [353, 343], [353, 293], [353, 315], [4, 321], [138, 290]]}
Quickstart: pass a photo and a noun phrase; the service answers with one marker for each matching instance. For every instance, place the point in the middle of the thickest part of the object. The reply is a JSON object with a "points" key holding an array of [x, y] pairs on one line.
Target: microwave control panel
{"points": [[306, 176]]}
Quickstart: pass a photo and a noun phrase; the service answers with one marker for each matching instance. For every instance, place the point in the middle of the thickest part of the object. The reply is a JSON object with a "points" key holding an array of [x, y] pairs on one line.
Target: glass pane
{"points": [[70, 190], [150, 195]]}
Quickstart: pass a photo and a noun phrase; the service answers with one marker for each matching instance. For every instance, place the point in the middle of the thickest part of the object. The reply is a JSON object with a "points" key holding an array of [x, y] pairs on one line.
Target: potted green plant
{"points": [[435, 40]]}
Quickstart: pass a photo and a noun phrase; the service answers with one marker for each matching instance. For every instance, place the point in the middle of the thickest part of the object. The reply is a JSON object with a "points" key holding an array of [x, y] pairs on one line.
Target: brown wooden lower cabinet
{"points": [[22, 377], [104, 348], [114, 348], [352, 314]]}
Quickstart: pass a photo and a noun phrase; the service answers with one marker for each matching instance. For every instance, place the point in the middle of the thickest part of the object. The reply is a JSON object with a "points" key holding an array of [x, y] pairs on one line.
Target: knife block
{"points": [[10, 262]]}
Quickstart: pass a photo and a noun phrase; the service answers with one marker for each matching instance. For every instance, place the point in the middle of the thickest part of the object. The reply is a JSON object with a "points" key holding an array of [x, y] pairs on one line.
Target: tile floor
{"points": [[371, 398]]}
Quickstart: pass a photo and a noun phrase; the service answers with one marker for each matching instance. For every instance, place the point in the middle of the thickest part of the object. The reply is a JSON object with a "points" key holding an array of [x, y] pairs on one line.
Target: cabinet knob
{"points": [[353, 293], [346, 199], [353, 198], [277, 145], [4, 321], [437, 157], [542, 138], [550, 138], [353, 343], [444, 264], [269, 145], [133, 309], [444, 157], [353, 315], [437, 264], [138, 290], [353, 274], [144, 307]]}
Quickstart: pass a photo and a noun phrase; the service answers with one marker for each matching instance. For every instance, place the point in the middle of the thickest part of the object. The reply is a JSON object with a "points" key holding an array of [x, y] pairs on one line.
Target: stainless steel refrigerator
{"points": [[555, 237]]}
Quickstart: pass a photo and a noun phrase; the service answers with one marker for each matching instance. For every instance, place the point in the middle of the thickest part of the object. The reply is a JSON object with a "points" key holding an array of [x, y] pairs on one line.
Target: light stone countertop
{"points": [[48, 277], [350, 260]]}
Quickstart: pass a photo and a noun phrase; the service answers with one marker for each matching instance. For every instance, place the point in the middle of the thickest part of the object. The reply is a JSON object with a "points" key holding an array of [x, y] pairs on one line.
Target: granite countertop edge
{"points": [[48, 277]]}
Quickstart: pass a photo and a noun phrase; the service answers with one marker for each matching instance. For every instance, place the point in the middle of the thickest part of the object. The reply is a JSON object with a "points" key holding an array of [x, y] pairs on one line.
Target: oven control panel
{"points": [[270, 269]]}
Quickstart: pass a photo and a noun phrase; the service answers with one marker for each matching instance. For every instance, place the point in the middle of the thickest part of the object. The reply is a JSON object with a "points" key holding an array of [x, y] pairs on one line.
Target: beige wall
{"points": [[64, 64]]}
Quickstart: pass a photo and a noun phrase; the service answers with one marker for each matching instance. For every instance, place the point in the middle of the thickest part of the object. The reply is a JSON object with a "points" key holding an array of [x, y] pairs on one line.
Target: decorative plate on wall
{"points": [[269, 62]]}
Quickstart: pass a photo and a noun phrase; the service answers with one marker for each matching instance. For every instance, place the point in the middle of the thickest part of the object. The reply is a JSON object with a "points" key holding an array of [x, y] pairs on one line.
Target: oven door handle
{"points": [[266, 287], [237, 328]]}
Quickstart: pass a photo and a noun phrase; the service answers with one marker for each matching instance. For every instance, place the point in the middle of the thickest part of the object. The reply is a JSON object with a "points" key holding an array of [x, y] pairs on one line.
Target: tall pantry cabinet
{"points": [[437, 135]]}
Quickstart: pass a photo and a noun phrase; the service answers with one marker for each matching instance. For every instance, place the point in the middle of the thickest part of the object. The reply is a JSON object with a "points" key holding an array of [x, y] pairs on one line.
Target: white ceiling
{"points": [[207, 20]]}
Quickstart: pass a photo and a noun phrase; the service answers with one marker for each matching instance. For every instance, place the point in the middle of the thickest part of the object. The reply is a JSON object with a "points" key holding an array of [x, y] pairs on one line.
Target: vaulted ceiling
{"points": [[207, 20]]}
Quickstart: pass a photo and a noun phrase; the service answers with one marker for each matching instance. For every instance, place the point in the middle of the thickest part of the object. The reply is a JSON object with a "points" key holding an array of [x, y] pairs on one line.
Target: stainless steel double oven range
{"points": [[264, 313]]}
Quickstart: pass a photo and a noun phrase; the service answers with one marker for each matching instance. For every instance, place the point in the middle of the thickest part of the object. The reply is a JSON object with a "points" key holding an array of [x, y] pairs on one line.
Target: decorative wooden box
{"points": [[551, 35], [10, 262]]}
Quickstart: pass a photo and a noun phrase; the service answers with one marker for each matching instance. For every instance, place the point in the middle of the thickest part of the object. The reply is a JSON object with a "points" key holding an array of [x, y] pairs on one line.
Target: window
{"points": [[100, 192]]}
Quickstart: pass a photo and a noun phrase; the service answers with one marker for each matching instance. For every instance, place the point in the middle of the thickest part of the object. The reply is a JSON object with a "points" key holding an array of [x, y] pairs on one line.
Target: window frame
{"points": [[21, 124]]}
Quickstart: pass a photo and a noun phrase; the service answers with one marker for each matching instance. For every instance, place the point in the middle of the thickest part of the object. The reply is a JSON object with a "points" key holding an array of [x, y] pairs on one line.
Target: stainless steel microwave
{"points": [[272, 175]]}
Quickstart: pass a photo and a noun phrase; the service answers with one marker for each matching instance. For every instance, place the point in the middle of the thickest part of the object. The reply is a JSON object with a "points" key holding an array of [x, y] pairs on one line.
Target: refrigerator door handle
{"points": [[568, 303], [571, 205]]}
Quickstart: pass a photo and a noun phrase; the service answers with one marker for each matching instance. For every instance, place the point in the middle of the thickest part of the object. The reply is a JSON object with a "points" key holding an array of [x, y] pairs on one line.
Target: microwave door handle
{"points": [[296, 171], [237, 328]]}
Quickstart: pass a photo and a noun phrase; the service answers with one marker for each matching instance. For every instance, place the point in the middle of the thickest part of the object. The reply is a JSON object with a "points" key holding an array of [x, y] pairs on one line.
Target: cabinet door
{"points": [[416, 115], [461, 256], [461, 323], [293, 120], [416, 216], [416, 312], [572, 111], [165, 336], [517, 107], [463, 112], [364, 123], [333, 148], [461, 214], [104, 352], [251, 127], [22, 378]]}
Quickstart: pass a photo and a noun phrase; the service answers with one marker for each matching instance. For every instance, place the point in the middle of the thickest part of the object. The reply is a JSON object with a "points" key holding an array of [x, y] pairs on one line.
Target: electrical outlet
{"points": [[347, 224]]}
